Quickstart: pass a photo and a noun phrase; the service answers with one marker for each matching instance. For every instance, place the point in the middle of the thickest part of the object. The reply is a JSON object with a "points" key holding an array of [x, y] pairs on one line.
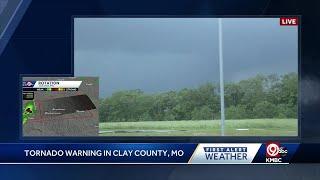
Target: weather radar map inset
{"points": [[60, 106]]}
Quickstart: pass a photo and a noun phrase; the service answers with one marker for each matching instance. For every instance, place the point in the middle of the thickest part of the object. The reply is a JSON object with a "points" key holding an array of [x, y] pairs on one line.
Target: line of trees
{"points": [[263, 96]]}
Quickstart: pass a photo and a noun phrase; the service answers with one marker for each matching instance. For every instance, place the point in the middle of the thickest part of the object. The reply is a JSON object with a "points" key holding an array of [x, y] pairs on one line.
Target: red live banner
{"points": [[289, 21]]}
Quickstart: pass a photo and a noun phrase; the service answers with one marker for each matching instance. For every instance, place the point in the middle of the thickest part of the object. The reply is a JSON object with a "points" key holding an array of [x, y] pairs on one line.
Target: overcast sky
{"points": [[162, 54]]}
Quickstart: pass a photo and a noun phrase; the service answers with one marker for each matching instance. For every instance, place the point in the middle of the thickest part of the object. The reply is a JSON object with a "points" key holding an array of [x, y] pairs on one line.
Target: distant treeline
{"points": [[271, 96]]}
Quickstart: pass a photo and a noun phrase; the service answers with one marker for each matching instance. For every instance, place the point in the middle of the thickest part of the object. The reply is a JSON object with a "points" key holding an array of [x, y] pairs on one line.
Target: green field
{"points": [[244, 127]]}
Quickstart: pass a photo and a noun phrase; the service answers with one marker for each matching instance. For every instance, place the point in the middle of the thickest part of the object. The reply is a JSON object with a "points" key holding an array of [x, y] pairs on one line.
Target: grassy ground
{"points": [[247, 127]]}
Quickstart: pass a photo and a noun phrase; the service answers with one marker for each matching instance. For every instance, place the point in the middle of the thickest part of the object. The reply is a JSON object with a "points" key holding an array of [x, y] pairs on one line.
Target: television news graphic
{"points": [[225, 153], [275, 152], [141, 153], [289, 21], [60, 106]]}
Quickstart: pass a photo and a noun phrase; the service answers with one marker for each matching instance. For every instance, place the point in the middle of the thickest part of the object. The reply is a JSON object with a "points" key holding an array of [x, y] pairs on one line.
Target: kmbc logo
{"points": [[274, 152], [28, 83]]}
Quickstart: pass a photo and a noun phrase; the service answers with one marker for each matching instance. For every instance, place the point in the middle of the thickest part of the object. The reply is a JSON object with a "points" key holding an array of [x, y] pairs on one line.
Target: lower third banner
{"points": [[153, 153]]}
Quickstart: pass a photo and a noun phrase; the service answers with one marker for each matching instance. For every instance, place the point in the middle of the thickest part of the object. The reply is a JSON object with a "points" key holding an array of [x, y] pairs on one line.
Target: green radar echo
{"points": [[29, 110]]}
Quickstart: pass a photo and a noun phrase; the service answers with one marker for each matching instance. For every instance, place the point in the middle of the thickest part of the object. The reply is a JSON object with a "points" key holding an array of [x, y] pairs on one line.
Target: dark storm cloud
{"points": [[166, 54]]}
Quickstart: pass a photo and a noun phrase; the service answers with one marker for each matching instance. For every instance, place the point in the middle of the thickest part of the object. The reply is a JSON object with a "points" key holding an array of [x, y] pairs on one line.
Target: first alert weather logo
{"points": [[221, 153], [226, 153]]}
